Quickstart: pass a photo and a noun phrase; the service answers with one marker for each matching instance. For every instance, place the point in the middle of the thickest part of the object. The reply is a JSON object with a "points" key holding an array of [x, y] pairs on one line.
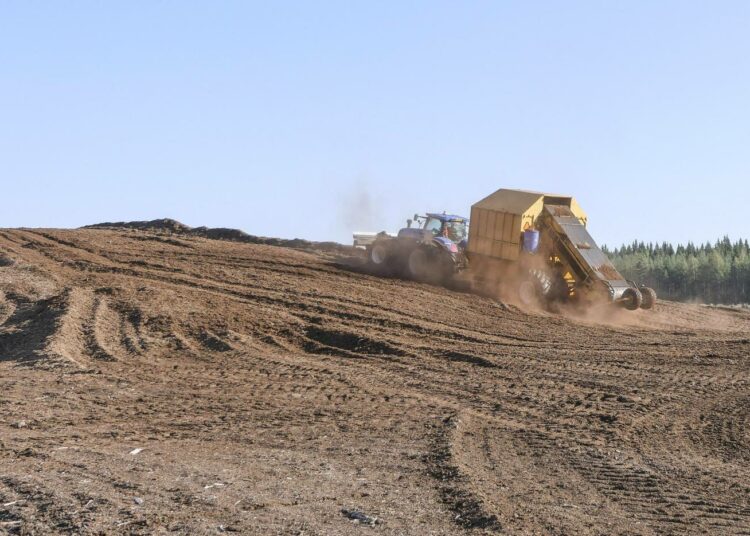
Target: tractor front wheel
{"points": [[378, 254]]}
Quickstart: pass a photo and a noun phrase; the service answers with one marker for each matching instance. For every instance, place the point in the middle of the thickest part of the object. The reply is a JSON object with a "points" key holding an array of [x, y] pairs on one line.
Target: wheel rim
{"points": [[633, 299], [377, 254]]}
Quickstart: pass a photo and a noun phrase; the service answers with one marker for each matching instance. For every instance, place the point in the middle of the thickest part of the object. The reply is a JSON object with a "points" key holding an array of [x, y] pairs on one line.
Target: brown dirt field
{"points": [[270, 387]]}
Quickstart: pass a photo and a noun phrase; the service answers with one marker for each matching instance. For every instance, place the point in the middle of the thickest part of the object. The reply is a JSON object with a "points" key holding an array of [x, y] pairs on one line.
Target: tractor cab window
{"points": [[434, 225], [456, 230]]}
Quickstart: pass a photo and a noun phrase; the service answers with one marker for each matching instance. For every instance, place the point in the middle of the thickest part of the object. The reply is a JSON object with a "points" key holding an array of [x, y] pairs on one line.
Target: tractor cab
{"points": [[438, 226], [449, 226]]}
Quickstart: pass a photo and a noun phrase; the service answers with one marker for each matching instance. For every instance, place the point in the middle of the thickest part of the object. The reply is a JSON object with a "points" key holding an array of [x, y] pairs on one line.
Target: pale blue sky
{"points": [[305, 119]]}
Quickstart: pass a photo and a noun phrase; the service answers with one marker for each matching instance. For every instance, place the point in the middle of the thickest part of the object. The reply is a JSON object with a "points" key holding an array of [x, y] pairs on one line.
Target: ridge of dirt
{"points": [[156, 379], [171, 226]]}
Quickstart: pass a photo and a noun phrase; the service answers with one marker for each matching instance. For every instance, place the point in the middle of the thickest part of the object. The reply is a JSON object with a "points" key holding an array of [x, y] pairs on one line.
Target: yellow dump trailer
{"points": [[542, 240], [499, 220]]}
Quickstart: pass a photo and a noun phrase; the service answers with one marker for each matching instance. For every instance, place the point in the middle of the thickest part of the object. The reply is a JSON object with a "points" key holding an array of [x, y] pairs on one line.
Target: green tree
{"points": [[718, 272]]}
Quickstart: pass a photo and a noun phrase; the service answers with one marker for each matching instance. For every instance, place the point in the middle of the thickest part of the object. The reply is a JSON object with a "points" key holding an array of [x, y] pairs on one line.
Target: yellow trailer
{"points": [[545, 236]]}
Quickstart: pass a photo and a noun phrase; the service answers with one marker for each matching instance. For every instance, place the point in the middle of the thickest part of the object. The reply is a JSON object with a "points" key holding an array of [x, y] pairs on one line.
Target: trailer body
{"points": [[573, 266]]}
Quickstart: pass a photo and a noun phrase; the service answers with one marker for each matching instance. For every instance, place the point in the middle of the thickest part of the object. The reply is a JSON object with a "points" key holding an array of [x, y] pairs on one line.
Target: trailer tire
{"points": [[632, 299], [649, 298], [542, 288], [530, 293]]}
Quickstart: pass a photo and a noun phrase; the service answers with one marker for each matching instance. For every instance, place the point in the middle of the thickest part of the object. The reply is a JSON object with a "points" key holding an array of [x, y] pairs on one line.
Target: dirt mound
{"points": [[164, 224], [162, 378], [221, 233]]}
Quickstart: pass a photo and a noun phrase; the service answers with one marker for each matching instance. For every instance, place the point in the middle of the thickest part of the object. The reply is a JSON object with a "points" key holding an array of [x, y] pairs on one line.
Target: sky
{"points": [[316, 119]]}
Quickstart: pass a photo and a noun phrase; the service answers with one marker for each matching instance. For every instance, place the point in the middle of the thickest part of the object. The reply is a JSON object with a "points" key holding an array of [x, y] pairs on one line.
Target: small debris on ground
{"points": [[358, 517], [138, 500], [136, 451]]}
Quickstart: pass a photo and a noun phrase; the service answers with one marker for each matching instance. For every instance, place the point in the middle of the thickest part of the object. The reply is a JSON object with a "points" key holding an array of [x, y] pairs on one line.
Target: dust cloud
{"points": [[504, 281], [358, 208]]}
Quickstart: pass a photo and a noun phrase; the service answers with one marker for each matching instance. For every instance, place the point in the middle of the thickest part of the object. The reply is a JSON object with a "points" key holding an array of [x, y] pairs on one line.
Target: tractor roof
{"points": [[447, 217]]}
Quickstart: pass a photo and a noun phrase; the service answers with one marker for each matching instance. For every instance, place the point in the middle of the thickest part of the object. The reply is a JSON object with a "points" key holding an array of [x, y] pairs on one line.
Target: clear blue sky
{"points": [[307, 119]]}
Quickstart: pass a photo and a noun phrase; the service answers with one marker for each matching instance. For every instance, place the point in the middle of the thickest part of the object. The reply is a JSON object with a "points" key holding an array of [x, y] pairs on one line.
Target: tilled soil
{"points": [[153, 383]]}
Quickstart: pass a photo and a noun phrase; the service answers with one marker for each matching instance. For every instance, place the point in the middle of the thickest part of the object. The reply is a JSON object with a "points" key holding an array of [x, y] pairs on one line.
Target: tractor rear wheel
{"points": [[649, 297], [429, 264], [632, 299], [418, 264]]}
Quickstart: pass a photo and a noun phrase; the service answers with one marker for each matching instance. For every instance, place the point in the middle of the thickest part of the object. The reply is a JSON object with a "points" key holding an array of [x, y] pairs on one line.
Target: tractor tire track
{"points": [[269, 388]]}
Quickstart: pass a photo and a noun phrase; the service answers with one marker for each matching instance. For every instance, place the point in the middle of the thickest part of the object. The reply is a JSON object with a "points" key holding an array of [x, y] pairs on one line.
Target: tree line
{"points": [[710, 273]]}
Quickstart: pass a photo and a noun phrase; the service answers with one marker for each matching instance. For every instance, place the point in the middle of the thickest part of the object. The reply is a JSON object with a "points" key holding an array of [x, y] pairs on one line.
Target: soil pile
{"points": [[157, 380], [170, 226]]}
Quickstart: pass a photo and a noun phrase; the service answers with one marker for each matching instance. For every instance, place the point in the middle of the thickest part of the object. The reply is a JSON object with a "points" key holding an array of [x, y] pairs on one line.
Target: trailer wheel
{"points": [[529, 293], [542, 288], [632, 299], [649, 298]]}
